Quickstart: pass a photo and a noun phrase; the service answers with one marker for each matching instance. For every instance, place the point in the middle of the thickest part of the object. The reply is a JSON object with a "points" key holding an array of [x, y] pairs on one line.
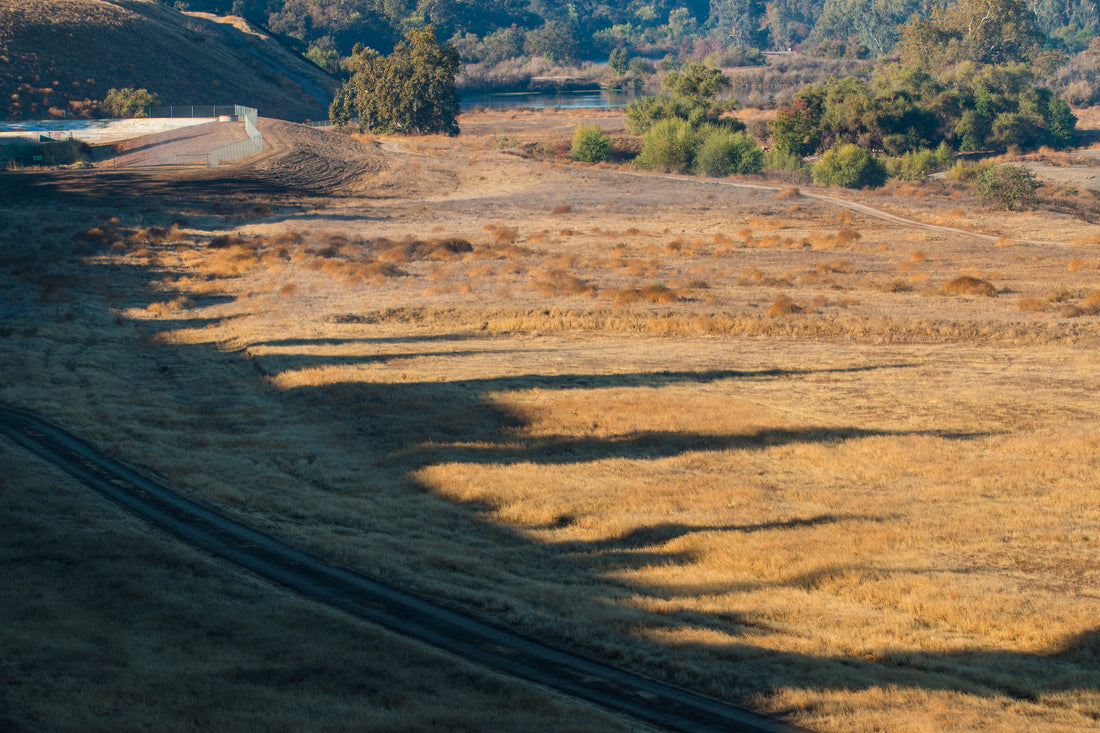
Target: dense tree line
{"points": [[990, 108], [492, 30]]}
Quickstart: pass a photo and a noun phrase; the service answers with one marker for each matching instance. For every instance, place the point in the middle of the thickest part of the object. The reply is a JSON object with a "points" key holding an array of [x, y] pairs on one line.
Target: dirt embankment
{"points": [[59, 57]]}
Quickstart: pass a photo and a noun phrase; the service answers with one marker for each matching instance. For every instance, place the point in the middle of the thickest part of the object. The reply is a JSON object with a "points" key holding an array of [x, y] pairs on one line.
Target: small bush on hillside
{"points": [[851, 167], [1008, 186], [723, 153], [127, 102], [669, 146], [590, 144]]}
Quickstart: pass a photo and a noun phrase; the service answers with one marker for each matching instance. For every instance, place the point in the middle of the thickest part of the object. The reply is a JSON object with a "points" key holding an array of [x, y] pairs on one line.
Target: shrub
{"points": [[851, 167], [723, 153], [669, 146], [1008, 186], [128, 102], [590, 144]]}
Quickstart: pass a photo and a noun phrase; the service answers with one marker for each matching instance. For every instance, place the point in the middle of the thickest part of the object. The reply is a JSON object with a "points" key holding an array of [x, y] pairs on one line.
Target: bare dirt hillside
{"points": [[57, 57]]}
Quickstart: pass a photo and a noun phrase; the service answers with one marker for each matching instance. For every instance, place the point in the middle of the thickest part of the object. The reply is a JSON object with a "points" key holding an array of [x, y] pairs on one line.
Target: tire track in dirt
{"points": [[312, 160], [491, 646]]}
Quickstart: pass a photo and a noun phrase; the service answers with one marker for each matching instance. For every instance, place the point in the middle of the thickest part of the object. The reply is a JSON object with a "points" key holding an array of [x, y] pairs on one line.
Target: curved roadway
{"points": [[609, 687]]}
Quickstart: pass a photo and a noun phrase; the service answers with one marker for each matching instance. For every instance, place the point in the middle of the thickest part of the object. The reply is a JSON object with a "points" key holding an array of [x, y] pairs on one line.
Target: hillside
{"points": [[57, 57]]}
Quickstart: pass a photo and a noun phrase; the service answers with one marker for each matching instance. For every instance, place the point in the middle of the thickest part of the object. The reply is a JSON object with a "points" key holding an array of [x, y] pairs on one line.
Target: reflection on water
{"points": [[588, 98]]}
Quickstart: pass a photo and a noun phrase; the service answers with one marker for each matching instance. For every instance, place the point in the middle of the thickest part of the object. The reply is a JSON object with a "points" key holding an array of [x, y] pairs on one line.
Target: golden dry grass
{"points": [[878, 513]]}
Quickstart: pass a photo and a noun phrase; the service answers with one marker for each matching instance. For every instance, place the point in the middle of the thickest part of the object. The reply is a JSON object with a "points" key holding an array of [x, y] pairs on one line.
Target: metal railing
{"points": [[242, 149]]}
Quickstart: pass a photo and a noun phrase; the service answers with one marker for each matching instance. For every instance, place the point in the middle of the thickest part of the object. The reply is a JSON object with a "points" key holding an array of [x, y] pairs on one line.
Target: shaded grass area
{"points": [[109, 625]]}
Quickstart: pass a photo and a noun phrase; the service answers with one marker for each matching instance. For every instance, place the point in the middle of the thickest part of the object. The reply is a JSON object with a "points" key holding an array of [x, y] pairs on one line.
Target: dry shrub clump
{"points": [[562, 209], [787, 193], [224, 241], [967, 285], [559, 282], [784, 306], [655, 293], [158, 235], [1089, 306], [170, 307], [411, 250], [105, 235], [502, 234], [1029, 305], [838, 266], [820, 241]]}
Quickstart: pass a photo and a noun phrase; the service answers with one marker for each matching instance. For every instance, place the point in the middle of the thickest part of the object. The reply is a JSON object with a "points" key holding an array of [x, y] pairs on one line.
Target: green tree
{"points": [[127, 102], [1008, 186], [619, 62], [1061, 122], [849, 166], [984, 31], [644, 112], [323, 53], [795, 128], [590, 144], [557, 40], [698, 81], [669, 146], [723, 153], [410, 91]]}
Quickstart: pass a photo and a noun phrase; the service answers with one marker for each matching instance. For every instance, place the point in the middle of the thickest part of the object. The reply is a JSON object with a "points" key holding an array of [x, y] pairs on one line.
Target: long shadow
{"points": [[331, 341], [271, 364]]}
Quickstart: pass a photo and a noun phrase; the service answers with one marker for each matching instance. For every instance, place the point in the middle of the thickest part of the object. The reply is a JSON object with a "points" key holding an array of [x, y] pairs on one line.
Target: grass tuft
{"points": [[967, 285]]}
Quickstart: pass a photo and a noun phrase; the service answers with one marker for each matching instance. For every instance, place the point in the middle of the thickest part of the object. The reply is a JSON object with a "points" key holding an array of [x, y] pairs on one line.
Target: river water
{"points": [[584, 99]]}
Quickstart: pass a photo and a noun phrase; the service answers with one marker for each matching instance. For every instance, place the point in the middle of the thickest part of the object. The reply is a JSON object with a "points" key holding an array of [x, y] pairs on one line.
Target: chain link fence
{"points": [[192, 110], [242, 149]]}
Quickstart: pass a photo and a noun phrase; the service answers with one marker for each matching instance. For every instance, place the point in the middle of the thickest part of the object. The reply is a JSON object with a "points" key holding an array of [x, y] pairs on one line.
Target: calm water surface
{"points": [[594, 99]]}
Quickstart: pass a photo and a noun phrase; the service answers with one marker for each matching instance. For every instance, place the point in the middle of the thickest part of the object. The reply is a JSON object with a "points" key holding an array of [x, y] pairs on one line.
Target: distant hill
{"points": [[58, 57]]}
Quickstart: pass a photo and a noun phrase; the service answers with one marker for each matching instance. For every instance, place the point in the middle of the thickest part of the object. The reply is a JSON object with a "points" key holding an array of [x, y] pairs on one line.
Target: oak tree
{"points": [[411, 91]]}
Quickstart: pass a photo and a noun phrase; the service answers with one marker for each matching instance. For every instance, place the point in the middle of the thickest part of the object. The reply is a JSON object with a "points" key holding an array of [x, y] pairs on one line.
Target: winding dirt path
{"points": [[412, 616]]}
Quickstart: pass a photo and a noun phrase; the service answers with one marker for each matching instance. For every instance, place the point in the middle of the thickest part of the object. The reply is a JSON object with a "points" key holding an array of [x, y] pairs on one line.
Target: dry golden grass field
{"points": [[838, 469]]}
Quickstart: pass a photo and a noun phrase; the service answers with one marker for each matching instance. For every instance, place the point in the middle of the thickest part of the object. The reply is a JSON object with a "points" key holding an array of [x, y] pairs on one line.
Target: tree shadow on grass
{"points": [[422, 424]]}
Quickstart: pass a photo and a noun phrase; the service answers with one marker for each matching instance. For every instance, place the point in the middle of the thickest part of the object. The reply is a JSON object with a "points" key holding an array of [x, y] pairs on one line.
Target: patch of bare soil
{"points": [[323, 162]]}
